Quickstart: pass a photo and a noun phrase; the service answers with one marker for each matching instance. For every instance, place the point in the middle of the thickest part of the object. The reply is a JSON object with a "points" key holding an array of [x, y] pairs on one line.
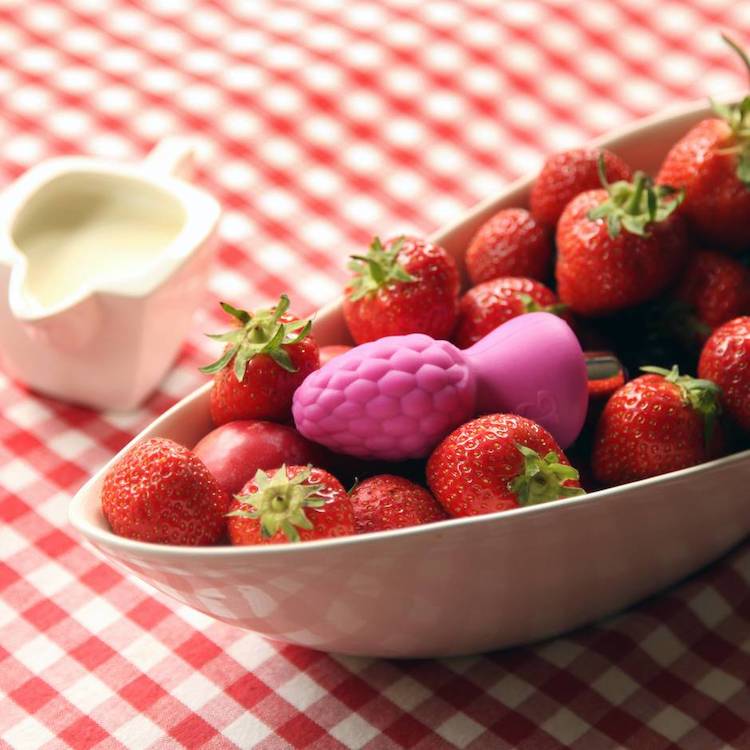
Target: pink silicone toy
{"points": [[397, 397]]}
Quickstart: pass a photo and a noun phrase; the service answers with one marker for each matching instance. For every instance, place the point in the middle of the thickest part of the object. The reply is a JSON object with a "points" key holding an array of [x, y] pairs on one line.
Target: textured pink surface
{"points": [[397, 397], [393, 398]]}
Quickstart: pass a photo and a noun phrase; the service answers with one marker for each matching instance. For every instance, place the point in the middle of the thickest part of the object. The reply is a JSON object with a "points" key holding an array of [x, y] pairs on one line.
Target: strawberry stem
{"points": [[279, 503], [634, 206], [261, 333], [699, 394], [378, 268], [543, 478], [679, 320], [737, 116], [740, 52]]}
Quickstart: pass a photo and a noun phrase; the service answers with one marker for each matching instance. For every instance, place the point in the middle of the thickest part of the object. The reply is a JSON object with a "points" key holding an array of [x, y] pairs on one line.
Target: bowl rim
{"points": [[102, 537]]}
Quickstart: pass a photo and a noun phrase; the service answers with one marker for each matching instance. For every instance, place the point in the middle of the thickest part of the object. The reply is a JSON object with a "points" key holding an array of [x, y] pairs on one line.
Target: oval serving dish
{"points": [[461, 586]]}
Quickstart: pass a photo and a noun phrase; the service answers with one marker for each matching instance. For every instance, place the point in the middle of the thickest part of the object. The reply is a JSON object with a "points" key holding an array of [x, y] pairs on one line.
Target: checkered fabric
{"points": [[326, 121]]}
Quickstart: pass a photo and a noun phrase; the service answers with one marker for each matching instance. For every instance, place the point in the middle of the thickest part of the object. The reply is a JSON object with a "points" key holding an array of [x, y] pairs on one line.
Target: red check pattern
{"points": [[326, 122]]}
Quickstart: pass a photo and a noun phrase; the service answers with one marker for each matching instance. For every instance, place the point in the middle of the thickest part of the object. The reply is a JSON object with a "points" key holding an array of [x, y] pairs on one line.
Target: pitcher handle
{"points": [[173, 156]]}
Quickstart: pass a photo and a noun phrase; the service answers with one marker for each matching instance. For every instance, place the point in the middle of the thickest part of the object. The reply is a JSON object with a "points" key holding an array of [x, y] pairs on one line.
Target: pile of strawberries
{"points": [[652, 270]]}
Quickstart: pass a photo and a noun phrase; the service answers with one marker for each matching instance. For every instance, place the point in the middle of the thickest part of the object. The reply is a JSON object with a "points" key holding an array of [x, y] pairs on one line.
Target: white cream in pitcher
{"points": [[101, 267], [75, 236]]}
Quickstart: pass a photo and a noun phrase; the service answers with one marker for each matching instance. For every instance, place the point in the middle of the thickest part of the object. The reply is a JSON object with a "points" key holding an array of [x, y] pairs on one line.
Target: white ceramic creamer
{"points": [[101, 267]]}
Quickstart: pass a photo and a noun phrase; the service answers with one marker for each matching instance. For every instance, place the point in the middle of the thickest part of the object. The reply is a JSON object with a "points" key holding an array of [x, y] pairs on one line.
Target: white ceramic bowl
{"points": [[460, 586]]}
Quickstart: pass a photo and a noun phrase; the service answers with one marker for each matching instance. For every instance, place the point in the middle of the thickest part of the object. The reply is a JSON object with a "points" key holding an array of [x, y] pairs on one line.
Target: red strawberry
{"points": [[712, 163], [387, 502], [486, 306], [659, 422], [270, 354], [511, 243], [725, 359], [406, 286], [499, 462], [162, 492], [716, 288], [567, 174], [236, 450], [618, 247], [294, 504]]}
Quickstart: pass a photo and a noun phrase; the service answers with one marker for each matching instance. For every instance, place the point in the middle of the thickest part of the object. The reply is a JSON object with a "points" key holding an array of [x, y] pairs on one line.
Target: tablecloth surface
{"points": [[325, 122]]}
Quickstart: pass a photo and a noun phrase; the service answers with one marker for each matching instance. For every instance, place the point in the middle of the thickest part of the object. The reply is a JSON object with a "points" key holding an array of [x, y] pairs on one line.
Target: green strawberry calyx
{"points": [[261, 333], [543, 478], [737, 116], [700, 394], [679, 319], [531, 305], [376, 269], [280, 502], [634, 206]]}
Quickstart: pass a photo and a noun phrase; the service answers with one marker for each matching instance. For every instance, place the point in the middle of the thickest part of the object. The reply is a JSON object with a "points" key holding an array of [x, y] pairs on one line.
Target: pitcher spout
{"points": [[69, 328]]}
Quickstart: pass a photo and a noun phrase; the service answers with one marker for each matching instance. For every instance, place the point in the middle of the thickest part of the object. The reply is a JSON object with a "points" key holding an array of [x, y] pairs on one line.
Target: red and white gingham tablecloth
{"points": [[326, 121]]}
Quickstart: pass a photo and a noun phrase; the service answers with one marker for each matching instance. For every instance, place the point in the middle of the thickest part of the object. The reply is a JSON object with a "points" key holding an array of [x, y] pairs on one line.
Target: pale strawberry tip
{"points": [[377, 268], [543, 478], [702, 395], [260, 333], [634, 206], [279, 503]]}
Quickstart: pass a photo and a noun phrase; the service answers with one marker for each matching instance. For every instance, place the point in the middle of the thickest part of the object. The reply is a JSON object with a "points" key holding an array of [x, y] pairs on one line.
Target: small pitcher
{"points": [[101, 267]]}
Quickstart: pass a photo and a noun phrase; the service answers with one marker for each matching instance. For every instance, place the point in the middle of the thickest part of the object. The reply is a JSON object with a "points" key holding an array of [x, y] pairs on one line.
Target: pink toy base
{"points": [[397, 397]]}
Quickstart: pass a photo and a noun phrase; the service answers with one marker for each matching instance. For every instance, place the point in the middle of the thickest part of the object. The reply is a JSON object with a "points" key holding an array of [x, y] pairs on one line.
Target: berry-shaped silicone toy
{"points": [[397, 397]]}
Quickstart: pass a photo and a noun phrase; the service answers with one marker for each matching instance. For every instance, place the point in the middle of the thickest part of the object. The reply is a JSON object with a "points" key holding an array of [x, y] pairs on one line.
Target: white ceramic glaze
{"points": [[102, 265], [460, 586]]}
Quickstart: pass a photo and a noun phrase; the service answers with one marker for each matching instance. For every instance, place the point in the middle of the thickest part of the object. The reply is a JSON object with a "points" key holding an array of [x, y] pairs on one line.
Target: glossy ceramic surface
{"points": [[460, 586], [111, 337]]}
